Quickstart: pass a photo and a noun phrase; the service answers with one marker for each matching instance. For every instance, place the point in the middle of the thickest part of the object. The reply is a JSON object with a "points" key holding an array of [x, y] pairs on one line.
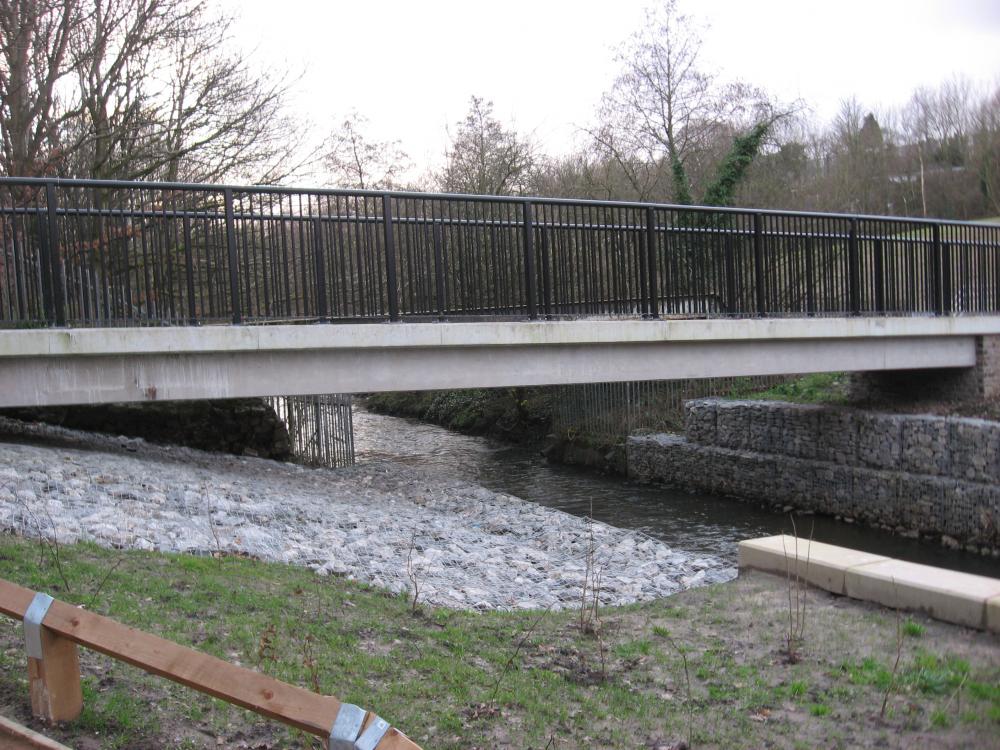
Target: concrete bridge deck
{"points": [[84, 366]]}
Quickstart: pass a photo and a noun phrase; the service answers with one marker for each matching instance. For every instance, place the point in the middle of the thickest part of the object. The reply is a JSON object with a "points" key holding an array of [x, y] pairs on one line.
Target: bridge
{"points": [[119, 291]]}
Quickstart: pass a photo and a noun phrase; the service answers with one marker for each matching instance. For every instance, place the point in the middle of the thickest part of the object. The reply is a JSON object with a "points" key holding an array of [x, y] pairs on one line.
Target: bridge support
{"points": [[67, 366], [981, 382]]}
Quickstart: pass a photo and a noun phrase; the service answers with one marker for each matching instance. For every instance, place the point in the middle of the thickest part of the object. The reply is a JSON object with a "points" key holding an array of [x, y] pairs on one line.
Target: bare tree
{"points": [[136, 89], [660, 106], [221, 117], [856, 173], [665, 118], [34, 59], [357, 162], [938, 126], [987, 150], [486, 158], [166, 96]]}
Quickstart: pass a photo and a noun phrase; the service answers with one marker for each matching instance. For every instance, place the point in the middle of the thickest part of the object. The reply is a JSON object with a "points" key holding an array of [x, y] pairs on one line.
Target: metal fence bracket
{"points": [[347, 727], [33, 617], [370, 738]]}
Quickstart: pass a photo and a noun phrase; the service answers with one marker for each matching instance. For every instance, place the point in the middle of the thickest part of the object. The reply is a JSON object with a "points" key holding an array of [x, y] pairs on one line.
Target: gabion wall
{"points": [[926, 474]]}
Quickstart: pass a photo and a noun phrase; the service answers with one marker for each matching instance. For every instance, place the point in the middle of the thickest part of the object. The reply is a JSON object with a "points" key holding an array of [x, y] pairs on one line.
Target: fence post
{"points": [[758, 263], [937, 297], [55, 305], [320, 262], [654, 302], [529, 259], [53, 667], [234, 282], [947, 294], [810, 277], [45, 270], [853, 269], [189, 269], [879, 278], [438, 266], [730, 258], [546, 275], [390, 258]]}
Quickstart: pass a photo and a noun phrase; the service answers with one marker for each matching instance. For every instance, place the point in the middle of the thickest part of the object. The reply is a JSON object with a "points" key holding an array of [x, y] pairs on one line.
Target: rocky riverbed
{"points": [[380, 522]]}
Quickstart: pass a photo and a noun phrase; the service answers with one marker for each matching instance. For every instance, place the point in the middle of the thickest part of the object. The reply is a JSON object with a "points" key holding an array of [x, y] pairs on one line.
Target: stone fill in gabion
{"points": [[468, 547], [912, 473]]}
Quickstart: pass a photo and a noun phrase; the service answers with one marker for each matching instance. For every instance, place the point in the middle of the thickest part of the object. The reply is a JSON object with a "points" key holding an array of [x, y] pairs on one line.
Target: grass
{"points": [[433, 673], [816, 388]]}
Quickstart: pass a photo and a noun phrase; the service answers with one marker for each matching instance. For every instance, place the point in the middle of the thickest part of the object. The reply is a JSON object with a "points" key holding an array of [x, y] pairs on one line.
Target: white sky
{"points": [[411, 66]]}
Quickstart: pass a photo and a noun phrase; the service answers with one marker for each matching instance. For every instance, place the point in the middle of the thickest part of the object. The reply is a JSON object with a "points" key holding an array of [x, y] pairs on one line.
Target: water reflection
{"points": [[697, 523]]}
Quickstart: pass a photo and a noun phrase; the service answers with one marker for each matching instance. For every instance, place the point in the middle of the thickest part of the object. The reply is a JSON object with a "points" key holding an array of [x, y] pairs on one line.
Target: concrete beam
{"points": [[285, 370], [47, 342]]}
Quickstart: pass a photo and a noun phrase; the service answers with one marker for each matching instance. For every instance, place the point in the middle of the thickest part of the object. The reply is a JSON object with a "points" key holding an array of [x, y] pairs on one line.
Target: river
{"points": [[704, 524]]}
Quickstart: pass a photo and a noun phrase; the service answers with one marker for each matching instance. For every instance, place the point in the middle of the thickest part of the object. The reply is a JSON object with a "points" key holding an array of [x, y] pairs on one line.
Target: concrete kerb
{"points": [[961, 598], [819, 564], [993, 614]]}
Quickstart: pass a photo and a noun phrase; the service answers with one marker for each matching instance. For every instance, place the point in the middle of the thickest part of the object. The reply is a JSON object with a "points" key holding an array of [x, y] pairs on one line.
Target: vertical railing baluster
{"points": [[45, 268], [20, 282], [322, 311], [879, 278], [641, 295], [52, 275], [234, 280], [947, 293], [936, 291], [730, 258], [529, 259], [654, 302], [853, 269], [546, 272], [810, 277], [189, 267], [438, 265], [390, 258], [758, 263]]}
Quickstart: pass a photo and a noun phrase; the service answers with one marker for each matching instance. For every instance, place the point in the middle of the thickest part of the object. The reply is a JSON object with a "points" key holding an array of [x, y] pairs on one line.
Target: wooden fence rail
{"points": [[54, 678]]}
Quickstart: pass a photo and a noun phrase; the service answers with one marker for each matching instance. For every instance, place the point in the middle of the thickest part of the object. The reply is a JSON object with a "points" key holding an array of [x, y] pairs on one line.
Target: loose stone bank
{"points": [[467, 546]]}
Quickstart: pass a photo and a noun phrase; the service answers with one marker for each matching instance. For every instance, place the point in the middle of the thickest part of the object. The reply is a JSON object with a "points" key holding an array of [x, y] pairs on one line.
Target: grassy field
{"points": [[708, 667]]}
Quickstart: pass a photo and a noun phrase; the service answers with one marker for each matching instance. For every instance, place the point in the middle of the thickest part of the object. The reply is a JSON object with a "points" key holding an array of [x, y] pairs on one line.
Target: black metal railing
{"points": [[104, 253]]}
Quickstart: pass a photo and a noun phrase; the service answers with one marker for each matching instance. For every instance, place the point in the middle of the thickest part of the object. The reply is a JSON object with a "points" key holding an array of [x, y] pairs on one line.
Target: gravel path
{"points": [[467, 546]]}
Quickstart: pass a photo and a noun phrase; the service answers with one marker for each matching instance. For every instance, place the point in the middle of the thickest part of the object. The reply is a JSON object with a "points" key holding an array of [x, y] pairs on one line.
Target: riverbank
{"points": [[917, 475], [528, 416], [706, 666], [516, 415], [521, 416], [449, 542]]}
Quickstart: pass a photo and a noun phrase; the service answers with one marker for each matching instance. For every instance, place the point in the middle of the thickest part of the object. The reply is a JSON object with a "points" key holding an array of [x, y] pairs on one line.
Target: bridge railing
{"points": [[105, 253]]}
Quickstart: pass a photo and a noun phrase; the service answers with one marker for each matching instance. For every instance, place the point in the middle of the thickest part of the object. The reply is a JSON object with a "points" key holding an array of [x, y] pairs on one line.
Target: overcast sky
{"points": [[411, 66]]}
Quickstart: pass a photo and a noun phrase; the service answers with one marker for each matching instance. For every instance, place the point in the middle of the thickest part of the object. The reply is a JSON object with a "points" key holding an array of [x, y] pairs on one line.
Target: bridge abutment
{"points": [[981, 382]]}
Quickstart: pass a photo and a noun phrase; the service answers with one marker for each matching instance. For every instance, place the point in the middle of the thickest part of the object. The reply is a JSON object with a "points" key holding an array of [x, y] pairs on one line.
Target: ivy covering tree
{"points": [[665, 121]]}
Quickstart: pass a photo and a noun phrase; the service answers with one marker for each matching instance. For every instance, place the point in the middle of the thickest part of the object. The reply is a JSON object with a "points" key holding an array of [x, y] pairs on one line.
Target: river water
{"points": [[705, 524]]}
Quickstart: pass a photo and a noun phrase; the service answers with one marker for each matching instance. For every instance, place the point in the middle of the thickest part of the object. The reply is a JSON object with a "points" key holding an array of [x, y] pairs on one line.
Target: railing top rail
{"points": [[469, 197]]}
